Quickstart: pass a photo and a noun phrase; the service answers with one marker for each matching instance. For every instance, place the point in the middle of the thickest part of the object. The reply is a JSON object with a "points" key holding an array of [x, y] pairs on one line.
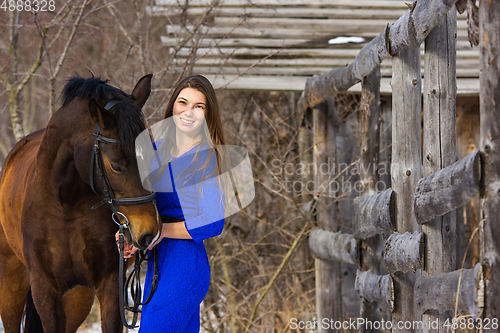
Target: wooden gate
{"points": [[425, 287]]}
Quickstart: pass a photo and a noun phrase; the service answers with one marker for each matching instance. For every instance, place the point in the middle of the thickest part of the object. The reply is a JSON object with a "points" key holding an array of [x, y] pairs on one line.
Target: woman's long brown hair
{"points": [[212, 118]]}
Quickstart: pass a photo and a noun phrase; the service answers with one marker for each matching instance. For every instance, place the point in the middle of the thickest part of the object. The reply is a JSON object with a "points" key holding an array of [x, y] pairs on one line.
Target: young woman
{"points": [[188, 191]]}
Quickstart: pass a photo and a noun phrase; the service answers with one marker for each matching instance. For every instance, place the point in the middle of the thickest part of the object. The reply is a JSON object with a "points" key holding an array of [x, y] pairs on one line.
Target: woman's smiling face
{"points": [[189, 111]]}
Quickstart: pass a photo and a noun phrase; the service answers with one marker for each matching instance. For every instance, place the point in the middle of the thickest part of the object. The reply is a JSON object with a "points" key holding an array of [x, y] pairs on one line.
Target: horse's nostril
{"points": [[145, 240]]}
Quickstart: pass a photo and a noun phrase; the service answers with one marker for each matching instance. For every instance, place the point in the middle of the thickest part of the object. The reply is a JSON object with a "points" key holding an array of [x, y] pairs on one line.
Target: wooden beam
{"points": [[489, 101], [369, 125], [374, 214], [440, 292], [327, 269], [439, 149], [447, 189], [404, 253], [375, 288], [334, 246], [387, 4], [406, 167]]}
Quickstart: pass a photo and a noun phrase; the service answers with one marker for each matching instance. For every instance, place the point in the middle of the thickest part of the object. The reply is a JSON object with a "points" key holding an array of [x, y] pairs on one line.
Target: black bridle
{"points": [[111, 201]]}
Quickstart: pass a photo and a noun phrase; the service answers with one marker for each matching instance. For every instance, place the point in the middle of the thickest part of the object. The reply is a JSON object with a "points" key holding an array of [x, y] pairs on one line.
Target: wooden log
{"points": [[404, 252], [369, 125], [334, 246], [489, 101], [374, 214], [410, 29], [439, 292], [375, 288], [439, 149], [328, 272], [448, 188], [406, 167]]}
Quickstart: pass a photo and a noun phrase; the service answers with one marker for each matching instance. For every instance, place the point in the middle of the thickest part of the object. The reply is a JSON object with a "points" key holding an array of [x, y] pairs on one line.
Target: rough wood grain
{"points": [[374, 214], [447, 189], [406, 169], [489, 48], [375, 288], [334, 246], [328, 295], [439, 292], [369, 125], [404, 252], [439, 150]]}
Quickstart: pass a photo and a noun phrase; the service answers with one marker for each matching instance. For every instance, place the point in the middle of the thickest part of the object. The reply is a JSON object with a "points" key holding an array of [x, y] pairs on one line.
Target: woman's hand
{"points": [[129, 250]]}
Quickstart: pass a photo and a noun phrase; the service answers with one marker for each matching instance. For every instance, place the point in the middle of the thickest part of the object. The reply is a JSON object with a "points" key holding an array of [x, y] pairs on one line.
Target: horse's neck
{"points": [[56, 154]]}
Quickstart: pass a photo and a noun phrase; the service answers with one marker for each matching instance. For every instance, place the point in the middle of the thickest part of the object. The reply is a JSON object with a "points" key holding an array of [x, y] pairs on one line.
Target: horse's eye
{"points": [[116, 168]]}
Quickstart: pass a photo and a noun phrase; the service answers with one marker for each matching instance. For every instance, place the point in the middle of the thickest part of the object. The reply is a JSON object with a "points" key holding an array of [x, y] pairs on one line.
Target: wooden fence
{"points": [[424, 280]]}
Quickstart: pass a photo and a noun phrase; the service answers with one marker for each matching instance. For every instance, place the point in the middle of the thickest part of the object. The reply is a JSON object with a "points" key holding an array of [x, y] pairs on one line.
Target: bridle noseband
{"points": [[111, 201]]}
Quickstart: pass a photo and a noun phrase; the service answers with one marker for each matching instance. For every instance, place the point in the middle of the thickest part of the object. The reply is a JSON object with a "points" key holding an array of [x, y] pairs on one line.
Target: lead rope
{"points": [[135, 278]]}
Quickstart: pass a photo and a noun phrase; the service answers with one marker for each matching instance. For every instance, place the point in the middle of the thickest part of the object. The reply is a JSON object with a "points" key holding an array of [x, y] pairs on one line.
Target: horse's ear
{"points": [[102, 117], [142, 90]]}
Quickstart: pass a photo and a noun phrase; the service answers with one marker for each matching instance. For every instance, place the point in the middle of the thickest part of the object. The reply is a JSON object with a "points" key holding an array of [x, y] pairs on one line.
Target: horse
{"points": [[64, 191]]}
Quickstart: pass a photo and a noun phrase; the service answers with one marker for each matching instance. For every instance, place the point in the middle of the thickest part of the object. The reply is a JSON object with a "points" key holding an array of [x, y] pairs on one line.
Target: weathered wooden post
{"points": [[369, 122], [439, 147], [328, 294], [406, 168], [489, 45]]}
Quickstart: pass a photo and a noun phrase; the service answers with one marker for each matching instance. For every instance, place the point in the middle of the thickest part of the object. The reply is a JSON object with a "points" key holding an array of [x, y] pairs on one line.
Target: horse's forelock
{"points": [[85, 88], [129, 118]]}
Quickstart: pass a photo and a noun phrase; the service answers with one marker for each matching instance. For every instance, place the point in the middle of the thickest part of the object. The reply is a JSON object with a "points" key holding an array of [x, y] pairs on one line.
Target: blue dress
{"points": [[184, 271]]}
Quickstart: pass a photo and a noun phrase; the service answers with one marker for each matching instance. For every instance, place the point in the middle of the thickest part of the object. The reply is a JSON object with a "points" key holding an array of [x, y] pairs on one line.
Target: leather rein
{"points": [[111, 201]]}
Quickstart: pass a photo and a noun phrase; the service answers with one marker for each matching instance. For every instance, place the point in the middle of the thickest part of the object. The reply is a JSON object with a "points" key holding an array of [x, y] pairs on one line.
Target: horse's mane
{"points": [[129, 118]]}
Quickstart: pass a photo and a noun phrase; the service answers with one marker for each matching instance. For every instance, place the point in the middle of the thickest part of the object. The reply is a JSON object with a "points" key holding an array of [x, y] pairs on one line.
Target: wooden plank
{"points": [[369, 126], [282, 12], [229, 69], [335, 26], [305, 62], [439, 292], [387, 4], [404, 253], [489, 101], [447, 189], [375, 288], [406, 168], [292, 53], [374, 214], [466, 87], [439, 147], [328, 271]]}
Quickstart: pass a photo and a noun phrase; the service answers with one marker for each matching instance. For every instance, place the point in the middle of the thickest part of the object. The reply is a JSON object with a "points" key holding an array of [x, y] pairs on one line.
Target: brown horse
{"points": [[53, 238]]}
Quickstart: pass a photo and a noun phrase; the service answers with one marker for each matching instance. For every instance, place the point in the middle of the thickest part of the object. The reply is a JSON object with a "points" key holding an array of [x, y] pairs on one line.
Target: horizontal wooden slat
{"points": [[293, 52], [387, 4], [466, 87], [229, 69], [295, 12], [303, 62], [233, 42]]}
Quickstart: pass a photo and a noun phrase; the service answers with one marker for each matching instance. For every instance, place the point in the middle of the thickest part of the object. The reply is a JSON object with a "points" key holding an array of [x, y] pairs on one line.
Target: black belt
{"points": [[169, 219]]}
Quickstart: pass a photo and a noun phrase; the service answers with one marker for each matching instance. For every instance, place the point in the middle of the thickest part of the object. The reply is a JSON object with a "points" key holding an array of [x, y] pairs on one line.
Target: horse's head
{"points": [[114, 171]]}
